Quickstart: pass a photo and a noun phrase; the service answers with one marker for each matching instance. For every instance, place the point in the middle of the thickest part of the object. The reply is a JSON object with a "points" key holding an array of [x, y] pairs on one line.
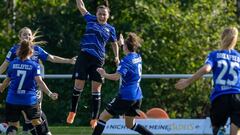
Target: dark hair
{"points": [[133, 42], [103, 7], [25, 49]]}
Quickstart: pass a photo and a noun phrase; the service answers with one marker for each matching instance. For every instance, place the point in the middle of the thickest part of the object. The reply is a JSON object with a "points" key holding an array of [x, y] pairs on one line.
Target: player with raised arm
{"points": [[38, 55], [129, 98], [225, 96], [24, 75], [92, 56]]}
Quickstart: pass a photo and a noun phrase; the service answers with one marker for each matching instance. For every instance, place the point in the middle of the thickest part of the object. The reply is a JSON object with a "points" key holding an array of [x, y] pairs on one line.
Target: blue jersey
{"points": [[22, 89], [38, 53], [226, 72], [96, 37], [130, 69]]}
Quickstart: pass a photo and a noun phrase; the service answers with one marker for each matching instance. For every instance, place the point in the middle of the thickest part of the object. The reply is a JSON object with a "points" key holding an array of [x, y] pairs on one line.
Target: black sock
{"points": [[99, 128], [11, 129], [29, 127], [96, 104], [33, 131], [26, 126], [41, 130], [45, 122], [141, 129], [75, 98]]}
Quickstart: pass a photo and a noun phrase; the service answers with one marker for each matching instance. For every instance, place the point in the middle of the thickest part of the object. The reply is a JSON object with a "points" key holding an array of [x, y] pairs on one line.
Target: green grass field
{"points": [[69, 130], [65, 130]]}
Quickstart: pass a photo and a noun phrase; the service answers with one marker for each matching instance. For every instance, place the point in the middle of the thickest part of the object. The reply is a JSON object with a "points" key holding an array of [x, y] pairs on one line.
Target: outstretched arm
{"points": [[102, 72], [3, 67], [4, 84], [81, 7], [183, 83], [57, 59], [45, 89]]}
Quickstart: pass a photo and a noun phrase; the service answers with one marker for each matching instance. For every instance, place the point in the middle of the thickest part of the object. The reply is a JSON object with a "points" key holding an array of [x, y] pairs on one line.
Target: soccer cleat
{"points": [[221, 131], [71, 117], [93, 123]]}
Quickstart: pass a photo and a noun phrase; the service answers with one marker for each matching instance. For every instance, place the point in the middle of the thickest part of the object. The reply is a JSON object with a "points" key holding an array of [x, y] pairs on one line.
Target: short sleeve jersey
{"points": [[22, 89], [226, 72], [39, 53], [130, 69], [96, 37]]}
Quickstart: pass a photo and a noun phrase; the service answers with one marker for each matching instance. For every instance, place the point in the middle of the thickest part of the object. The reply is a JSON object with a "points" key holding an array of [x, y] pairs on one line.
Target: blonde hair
{"points": [[229, 38], [34, 35]]}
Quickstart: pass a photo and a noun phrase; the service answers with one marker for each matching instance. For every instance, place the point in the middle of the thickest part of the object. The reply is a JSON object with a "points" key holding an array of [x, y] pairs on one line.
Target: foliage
{"points": [[177, 37]]}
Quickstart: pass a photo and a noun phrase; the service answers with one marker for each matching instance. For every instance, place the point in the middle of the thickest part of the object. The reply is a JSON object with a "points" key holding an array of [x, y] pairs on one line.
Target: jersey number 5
{"points": [[225, 66]]}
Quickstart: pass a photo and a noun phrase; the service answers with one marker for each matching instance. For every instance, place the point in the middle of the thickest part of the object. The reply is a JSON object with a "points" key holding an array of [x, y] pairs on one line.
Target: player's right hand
{"points": [[181, 84], [54, 96], [101, 71]]}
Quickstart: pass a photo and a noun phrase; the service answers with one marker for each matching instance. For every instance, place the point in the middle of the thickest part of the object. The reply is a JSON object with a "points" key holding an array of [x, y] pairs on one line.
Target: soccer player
{"points": [[129, 97], [91, 56], [24, 75], [38, 55], [225, 96]]}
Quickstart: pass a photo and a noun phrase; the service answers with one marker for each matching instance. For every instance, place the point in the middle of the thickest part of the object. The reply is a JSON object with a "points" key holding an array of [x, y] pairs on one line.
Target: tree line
{"points": [[177, 37]]}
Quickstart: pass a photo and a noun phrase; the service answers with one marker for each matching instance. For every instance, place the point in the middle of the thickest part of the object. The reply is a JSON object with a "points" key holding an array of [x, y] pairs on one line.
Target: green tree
{"points": [[177, 37]]}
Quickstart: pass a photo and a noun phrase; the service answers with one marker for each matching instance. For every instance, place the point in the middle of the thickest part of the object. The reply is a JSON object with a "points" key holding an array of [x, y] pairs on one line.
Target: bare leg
{"points": [[234, 130]]}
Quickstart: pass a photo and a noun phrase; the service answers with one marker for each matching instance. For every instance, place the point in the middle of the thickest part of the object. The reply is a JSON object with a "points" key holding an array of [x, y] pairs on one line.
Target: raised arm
{"points": [[102, 72], [57, 59], [3, 67], [45, 89], [81, 7]]}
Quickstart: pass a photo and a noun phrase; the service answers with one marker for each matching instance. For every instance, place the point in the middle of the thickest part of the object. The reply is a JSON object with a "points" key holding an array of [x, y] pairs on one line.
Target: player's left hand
{"points": [[73, 60], [117, 61]]}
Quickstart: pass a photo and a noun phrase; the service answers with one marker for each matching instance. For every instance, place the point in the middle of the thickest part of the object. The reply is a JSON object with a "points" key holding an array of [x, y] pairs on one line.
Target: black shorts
{"points": [[13, 112], [119, 107], [85, 68], [223, 107]]}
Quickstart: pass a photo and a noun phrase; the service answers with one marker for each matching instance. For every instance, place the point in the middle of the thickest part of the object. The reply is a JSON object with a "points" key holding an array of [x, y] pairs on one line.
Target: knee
{"points": [[79, 84], [14, 124], [129, 125], [78, 87], [36, 122], [105, 116]]}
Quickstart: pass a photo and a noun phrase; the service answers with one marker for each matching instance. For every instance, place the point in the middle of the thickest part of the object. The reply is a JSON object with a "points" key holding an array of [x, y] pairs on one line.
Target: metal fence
{"points": [[144, 76]]}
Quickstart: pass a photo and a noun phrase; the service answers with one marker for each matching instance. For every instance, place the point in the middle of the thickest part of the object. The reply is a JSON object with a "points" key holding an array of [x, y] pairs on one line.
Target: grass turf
{"points": [[70, 130]]}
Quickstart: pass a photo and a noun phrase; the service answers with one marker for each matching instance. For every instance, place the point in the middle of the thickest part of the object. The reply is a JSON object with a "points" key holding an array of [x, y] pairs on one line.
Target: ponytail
{"points": [[25, 49]]}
